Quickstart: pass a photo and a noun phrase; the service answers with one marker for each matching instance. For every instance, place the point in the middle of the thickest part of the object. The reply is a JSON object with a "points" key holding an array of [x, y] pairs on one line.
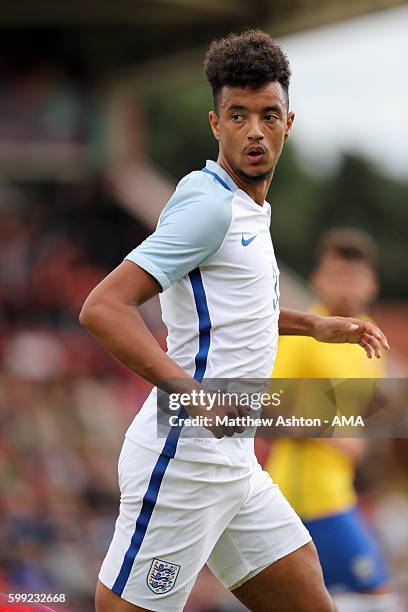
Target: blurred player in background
{"points": [[317, 476]]}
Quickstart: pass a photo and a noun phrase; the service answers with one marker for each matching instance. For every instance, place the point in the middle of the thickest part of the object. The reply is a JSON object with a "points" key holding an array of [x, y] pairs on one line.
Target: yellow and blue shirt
{"points": [[316, 477]]}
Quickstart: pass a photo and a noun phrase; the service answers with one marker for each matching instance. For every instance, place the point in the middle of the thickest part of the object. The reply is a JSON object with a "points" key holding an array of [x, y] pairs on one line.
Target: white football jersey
{"points": [[212, 254]]}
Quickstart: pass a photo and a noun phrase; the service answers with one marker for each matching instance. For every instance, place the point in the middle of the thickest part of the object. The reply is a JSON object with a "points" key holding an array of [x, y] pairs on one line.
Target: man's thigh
{"points": [[264, 530], [171, 515], [266, 557], [291, 584]]}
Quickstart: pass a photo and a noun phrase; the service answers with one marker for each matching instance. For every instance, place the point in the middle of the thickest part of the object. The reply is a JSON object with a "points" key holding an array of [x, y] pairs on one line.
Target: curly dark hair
{"points": [[250, 59]]}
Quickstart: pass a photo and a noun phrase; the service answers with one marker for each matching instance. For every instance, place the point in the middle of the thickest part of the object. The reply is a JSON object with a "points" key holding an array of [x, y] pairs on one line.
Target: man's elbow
{"points": [[92, 313], [85, 315]]}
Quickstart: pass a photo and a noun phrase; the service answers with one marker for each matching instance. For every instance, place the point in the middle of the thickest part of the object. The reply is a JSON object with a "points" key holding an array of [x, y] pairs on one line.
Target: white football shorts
{"points": [[177, 515]]}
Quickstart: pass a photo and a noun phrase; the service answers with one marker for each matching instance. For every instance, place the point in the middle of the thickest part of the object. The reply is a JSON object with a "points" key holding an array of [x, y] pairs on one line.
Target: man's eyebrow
{"points": [[275, 107], [236, 107], [267, 109]]}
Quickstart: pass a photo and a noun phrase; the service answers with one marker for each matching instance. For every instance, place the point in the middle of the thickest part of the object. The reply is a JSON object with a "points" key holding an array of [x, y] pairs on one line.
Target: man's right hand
{"points": [[232, 411]]}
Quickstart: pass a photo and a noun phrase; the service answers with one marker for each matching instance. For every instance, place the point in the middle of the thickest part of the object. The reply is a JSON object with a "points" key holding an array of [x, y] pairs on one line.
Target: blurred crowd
{"points": [[64, 404]]}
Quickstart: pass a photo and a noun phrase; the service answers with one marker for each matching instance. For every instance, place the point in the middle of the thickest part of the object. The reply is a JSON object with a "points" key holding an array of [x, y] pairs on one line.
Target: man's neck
{"points": [[257, 191]]}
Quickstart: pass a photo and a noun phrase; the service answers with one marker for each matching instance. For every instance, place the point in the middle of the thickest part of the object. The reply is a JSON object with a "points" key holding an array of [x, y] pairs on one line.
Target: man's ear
{"points": [[215, 124], [289, 122]]}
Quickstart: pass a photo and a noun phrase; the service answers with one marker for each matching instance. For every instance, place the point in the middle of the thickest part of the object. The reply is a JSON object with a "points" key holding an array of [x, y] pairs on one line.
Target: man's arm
{"points": [[110, 314], [333, 329]]}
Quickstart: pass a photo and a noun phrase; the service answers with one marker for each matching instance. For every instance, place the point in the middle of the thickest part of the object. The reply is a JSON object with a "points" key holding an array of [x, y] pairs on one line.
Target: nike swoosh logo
{"points": [[247, 241]]}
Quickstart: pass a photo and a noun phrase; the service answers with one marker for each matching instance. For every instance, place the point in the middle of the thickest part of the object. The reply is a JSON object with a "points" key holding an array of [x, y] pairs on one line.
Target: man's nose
{"points": [[255, 131]]}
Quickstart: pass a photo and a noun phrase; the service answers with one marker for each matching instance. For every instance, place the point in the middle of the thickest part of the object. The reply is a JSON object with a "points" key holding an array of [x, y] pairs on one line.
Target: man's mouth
{"points": [[254, 153]]}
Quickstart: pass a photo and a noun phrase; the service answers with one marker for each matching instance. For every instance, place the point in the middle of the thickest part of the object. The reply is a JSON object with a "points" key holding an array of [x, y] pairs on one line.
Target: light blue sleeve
{"points": [[191, 228]]}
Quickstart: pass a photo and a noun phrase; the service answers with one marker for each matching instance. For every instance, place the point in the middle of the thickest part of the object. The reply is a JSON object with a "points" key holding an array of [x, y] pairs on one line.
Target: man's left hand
{"points": [[353, 331]]}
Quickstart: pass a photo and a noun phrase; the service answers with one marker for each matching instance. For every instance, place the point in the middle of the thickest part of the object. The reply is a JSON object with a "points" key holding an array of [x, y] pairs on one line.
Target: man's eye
{"points": [[237, 117], [271, 118]]}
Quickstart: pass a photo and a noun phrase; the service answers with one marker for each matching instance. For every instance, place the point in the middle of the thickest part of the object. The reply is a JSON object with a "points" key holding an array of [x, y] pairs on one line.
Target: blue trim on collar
{"points": [[217, 178], [212, 166]]}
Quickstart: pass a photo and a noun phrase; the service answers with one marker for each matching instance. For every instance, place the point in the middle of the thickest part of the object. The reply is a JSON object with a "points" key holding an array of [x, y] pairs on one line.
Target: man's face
{"points": [[345, 287], [251, 126]]}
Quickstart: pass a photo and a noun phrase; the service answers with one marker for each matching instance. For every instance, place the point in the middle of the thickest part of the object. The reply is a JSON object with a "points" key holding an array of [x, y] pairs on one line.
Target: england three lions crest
{"points": [[162, 576]]}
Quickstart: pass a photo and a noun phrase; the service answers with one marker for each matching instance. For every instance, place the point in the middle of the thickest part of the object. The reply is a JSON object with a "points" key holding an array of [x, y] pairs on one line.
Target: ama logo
{"points": [[352, 421]]}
